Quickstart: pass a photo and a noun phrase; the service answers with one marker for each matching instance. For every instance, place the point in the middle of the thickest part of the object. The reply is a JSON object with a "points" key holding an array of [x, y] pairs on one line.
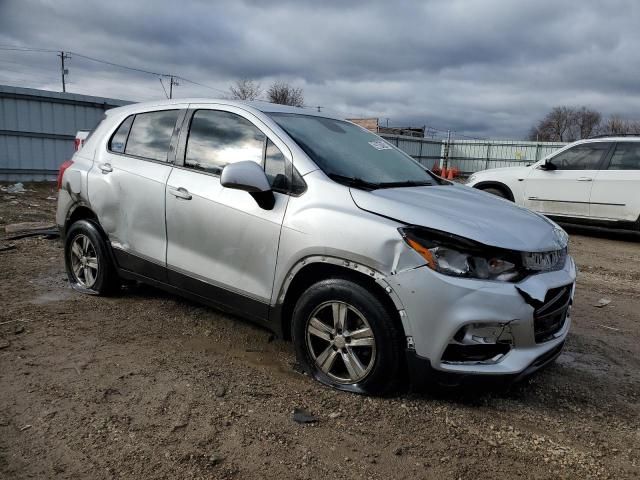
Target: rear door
{"points": [[616, 189], [127, 189], [221, 244], [566, 190]]}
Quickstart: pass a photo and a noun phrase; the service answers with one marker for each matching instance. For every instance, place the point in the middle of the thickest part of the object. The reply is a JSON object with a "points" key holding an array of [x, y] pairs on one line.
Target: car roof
{"points": [[260, 106], [611, 138]]}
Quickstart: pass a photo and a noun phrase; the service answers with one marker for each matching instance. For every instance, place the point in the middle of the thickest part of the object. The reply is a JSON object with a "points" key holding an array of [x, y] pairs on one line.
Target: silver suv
{"points": [[322, 232]]}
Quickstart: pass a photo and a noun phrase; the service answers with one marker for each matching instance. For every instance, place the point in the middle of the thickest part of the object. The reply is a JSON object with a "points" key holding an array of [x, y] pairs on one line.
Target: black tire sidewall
{"points": [[495, 191], [106, 281], [386, 372]]}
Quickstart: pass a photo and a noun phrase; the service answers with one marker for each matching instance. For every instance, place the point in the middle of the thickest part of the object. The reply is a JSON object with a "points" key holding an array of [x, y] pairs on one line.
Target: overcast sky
{"points": [[483, 68]]}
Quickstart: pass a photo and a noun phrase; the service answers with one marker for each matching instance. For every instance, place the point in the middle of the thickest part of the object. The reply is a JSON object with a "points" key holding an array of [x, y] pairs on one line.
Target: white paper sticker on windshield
{"points": [[380, 145]]}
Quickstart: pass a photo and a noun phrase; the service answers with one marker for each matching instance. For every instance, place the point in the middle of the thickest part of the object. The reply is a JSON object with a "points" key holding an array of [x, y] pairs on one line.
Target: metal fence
{"points": [[470, 156], [38, 128]]}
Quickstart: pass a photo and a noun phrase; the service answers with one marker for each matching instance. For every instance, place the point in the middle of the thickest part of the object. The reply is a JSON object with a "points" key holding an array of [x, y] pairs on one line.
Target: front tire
{"points": [[346, 338], [495, 191], [87, 260]]}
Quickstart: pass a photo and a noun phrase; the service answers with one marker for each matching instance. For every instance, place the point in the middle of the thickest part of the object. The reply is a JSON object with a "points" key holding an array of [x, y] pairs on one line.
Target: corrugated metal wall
{"points": [[37, 129], [470, 156], [426, 151]]}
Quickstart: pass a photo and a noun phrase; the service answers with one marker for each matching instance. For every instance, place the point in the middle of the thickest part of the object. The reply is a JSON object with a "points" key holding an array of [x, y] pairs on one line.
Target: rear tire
{"points": [[87, 260], [345, 337]]}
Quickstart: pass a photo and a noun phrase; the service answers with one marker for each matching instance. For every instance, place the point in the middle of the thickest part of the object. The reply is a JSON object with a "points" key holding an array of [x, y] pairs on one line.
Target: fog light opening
{"points": [[479, 343]]}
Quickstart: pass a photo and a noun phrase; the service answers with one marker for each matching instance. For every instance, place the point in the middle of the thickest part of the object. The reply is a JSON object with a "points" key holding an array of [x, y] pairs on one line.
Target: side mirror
{"points": [[250, 177], [548, 166]]}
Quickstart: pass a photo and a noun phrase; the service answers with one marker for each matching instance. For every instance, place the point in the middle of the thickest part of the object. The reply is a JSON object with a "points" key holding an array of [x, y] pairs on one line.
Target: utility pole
{"points": [[446, 151], [63, 70], [172, 82]]}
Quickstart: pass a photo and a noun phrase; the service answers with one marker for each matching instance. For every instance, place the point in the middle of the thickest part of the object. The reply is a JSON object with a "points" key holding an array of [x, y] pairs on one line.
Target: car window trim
{"points": [[601, 162], [181, 150], [138, 157], [612, 152], [113, 134]]}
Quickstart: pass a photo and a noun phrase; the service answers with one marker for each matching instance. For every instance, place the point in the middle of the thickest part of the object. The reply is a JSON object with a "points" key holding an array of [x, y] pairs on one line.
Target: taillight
{"points": [[63, 167]]}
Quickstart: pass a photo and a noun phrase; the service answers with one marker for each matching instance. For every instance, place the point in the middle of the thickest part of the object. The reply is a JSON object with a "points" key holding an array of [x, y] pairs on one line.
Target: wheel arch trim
{"points": [[350, 266], [496, 184]]}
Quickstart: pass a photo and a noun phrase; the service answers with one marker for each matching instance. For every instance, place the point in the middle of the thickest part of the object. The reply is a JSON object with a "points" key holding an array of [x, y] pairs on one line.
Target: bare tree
{"points": [[555, 126], [285, 94], [587, 122], [616, 125], [245, 89], [566, 124]]}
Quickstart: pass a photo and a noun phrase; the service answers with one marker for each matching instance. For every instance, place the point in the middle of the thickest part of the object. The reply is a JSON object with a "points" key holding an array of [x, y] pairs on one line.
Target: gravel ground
{"points": [[148, 385]]}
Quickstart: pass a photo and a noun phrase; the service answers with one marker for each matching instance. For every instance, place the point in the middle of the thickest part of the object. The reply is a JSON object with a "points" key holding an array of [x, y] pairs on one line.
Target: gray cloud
{"points": [[489, 68]]}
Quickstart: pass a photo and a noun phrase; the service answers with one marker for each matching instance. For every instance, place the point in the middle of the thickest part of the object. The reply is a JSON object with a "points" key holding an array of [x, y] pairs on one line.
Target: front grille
{"points": [[544, 261], [549, 318]]}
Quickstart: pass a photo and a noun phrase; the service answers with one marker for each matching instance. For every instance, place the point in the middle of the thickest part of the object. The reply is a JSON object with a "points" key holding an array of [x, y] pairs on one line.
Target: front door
{"points": [[565, 187], [221, 244]]}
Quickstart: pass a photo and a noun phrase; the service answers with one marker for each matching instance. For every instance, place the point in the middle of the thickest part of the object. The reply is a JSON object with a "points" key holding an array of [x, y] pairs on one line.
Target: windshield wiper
{"points": [[354, 182], [406, 183]]}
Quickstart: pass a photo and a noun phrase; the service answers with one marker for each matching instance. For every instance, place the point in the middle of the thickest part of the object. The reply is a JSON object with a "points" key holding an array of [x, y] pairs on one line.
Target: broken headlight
{"points": [[461, 257]]}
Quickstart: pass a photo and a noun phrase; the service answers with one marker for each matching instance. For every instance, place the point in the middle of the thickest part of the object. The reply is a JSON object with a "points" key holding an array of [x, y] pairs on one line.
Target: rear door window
{"points": [[626, 157], [218, 138], [151, 134]]}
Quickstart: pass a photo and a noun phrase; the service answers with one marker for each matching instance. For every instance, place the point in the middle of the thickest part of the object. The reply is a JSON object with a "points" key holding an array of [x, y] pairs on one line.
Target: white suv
{"points": [[594, 181]]}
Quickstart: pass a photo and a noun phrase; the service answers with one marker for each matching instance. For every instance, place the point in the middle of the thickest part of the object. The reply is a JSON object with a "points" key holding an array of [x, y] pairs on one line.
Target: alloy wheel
{"points": [[341, 342], [84, 261]]}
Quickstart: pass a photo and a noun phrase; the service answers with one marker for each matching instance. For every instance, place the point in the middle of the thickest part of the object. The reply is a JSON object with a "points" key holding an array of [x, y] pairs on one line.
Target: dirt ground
{"points": [[148, 385]]}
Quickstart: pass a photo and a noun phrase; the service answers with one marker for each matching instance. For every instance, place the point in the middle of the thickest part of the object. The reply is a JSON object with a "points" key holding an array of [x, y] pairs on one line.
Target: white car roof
{"points": [[612, 138]]}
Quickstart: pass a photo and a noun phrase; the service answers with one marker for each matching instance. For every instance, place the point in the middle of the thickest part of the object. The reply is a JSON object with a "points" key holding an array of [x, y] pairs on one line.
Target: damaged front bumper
{"points": [[469, 327]]}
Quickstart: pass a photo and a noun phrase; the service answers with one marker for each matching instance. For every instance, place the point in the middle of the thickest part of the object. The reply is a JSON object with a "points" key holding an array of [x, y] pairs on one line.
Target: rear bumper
{"points": [[423, 376]]}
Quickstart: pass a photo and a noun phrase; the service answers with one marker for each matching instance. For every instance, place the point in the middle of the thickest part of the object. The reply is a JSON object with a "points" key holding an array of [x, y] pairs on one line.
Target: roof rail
{"points": [[604, 135]]}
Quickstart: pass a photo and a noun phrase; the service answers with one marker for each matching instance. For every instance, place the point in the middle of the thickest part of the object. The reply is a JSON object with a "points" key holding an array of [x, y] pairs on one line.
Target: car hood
{"points": [[498, 172], [465, 212]]}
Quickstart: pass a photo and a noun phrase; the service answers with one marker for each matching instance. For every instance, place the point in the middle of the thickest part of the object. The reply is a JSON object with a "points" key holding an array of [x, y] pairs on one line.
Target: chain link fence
{"points": [[469, 156]]}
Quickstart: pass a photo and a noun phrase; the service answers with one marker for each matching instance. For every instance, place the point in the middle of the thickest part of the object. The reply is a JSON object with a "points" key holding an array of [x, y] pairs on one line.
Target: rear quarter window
{"points": [[119, 138]]}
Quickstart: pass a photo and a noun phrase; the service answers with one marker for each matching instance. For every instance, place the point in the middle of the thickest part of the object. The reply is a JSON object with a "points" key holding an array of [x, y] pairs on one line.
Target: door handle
{"points": [[106, 168], [180, 192], [585, 179]]}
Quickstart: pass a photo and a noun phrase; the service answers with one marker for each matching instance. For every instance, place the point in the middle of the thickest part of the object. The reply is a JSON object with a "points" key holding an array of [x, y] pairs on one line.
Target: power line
{"points": [[165, 90], [113, 64], [200, 84], [27, 49], [172, 77]]}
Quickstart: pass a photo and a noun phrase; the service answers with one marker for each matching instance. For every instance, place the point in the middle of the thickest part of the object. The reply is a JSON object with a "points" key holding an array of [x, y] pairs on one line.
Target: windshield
{"points": [[351, 155]]}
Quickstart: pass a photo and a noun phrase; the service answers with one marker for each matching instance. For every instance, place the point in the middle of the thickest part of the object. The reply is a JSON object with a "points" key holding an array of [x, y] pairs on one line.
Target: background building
{"points": [[38, 128]]}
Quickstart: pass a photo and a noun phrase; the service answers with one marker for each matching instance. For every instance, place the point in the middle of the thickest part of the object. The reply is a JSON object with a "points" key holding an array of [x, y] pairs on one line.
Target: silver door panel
{"points": [[129, 202], [222, 236]]}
